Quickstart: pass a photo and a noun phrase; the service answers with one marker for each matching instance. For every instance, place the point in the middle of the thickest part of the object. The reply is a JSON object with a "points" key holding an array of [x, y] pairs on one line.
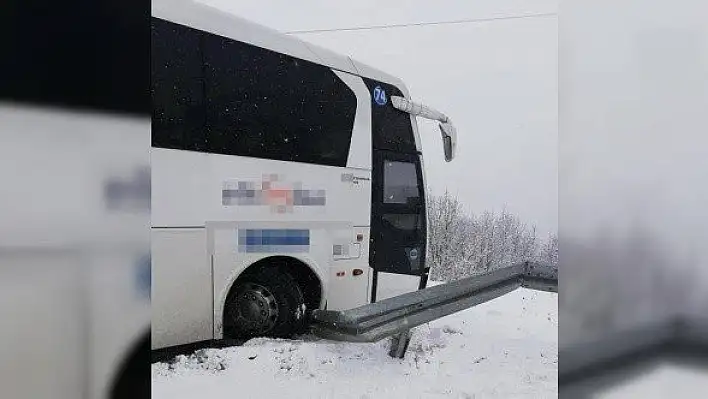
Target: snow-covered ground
{"points": [[504, 348]]}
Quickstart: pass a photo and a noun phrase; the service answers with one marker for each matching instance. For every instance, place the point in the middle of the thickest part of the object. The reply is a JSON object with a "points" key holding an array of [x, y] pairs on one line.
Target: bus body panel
{"points": [[73, 248], [341, 289], [352, 291], [190, 189], [389, 285], [194, 221], [360, 146], [181, 287]]}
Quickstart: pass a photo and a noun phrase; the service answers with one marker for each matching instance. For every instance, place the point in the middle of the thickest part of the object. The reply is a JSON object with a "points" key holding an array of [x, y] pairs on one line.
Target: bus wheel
{"points": [[267, 302]]}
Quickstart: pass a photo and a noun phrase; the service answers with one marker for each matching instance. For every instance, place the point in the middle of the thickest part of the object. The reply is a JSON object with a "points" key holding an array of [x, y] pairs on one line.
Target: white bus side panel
{"points": [[181, 287], [74, 303], [389, 285], [347, 290], [360, 146], [188, 194], [187, 190], [341, 288]]}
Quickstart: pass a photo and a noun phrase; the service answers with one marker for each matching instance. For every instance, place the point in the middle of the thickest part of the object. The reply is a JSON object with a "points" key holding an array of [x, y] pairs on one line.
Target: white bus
{"points": [[74, 203], [285, 178]]}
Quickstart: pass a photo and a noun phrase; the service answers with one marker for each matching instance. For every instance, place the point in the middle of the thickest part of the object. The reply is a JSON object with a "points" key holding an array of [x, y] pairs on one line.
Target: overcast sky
{"points": [[497, 81]]}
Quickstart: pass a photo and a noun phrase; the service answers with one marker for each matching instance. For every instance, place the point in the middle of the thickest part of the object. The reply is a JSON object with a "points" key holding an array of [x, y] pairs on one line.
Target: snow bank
{"points": [[504, 348]]}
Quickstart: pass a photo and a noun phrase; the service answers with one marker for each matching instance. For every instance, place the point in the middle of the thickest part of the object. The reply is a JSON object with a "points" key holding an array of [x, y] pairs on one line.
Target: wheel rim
{"points": [[256, 308]]}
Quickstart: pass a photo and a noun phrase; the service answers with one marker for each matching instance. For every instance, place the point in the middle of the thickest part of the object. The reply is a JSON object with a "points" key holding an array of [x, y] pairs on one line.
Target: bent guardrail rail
{"points": [[397, 315], [618, 350]]}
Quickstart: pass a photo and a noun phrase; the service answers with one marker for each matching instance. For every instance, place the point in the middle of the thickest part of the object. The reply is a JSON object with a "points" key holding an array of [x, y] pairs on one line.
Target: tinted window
{"points": [[391, 128], [398, 225], [405, 222], [400, 183], [217, 95], [88, 55], [269, 105], [178, 112]]}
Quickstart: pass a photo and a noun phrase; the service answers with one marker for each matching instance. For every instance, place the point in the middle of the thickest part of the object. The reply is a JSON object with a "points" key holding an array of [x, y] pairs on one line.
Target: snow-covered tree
{"points": [[446, 235], [466, 244], [549, 251]]}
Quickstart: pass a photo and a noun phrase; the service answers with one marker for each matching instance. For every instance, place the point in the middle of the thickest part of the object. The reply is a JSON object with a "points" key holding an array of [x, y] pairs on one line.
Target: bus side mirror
{"points": [[449, 134], [449, 139]]}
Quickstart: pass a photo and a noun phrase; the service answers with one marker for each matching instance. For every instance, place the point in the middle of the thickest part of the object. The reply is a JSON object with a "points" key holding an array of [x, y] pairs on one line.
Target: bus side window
{"points": [[401, 183], [177, 89], [270, 105]]}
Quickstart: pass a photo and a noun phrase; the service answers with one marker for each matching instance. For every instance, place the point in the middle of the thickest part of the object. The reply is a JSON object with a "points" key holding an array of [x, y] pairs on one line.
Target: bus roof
{"points": [[213, 20]]}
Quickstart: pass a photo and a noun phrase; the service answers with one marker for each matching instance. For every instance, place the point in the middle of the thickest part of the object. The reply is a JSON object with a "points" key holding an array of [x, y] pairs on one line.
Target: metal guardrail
{"points": [[622, 349], [397, 315]]}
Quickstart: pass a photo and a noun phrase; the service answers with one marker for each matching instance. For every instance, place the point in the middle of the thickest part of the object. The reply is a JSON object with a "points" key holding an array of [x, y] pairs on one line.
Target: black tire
{"points": [[283, 299]]}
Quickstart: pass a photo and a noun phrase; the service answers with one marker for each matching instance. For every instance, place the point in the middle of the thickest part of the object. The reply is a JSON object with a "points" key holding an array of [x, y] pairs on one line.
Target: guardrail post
{"points": [[399, 344]]}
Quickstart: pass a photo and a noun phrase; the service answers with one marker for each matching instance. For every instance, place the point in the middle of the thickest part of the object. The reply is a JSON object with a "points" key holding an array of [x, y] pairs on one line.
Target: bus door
{"points": [[398, 223]]}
